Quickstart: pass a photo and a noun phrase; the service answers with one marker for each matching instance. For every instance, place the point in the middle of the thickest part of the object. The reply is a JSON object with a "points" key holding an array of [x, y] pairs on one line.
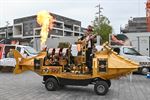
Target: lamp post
{"points": [[99, 12], [99, 38], [7, 24]]}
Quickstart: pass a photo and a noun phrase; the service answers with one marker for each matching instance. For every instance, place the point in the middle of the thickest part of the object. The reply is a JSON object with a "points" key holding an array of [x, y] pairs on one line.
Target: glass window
{"points": [[117, 50], [19, 49], [31, 50], [130, 51]]}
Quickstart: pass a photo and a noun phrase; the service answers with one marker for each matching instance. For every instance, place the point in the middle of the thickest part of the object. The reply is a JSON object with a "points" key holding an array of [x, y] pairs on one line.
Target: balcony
{"points": [[18, 30], [68, 33]]}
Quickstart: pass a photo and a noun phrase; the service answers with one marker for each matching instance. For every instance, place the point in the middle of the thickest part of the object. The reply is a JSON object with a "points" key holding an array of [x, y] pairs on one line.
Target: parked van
{"points": [[130, 53], [10, 62]]}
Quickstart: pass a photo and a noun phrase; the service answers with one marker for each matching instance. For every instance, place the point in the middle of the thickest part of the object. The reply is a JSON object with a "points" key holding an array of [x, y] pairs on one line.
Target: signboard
{"points": [[119, 39]]}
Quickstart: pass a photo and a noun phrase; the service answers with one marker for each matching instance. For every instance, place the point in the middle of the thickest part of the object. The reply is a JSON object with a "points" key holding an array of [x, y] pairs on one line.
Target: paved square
{"points": [[28, 86]]}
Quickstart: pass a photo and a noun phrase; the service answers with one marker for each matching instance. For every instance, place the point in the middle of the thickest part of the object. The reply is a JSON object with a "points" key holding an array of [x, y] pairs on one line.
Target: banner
{"points": [[119, 39]]}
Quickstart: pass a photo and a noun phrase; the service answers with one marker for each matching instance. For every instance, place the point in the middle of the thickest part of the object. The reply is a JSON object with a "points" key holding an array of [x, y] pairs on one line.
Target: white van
{"points": [[130, 53], [26, 51]]}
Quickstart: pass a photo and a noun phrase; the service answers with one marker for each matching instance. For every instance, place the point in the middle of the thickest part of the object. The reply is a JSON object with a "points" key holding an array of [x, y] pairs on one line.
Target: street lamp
{"points": [[99, 11], [7, 24]]}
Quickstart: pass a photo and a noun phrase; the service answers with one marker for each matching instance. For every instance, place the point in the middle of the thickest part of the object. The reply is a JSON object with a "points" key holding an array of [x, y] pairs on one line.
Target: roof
{"points": [[8, 41], [12, 45], [121, 46]]}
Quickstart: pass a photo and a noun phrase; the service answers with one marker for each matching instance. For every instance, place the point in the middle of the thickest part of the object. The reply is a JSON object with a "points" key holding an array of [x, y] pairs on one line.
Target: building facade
{"points": [[27, 27], [6, 32], [135, 25]]}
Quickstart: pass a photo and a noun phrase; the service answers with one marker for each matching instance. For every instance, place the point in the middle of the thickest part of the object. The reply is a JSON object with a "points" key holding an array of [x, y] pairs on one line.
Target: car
{"points": [[8, 63]]}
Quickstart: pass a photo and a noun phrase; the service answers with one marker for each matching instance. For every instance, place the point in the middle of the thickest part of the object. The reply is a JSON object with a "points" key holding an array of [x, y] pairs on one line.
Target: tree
{"points": [[103, 28]]}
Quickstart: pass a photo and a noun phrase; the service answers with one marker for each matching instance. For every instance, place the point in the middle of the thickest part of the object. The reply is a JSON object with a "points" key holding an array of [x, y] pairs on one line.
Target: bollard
{"points": [[131, 77]]}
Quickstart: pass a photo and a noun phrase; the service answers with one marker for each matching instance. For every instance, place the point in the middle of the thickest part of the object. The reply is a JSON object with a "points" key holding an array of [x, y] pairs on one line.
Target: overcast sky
{"points": [[118, 11]]}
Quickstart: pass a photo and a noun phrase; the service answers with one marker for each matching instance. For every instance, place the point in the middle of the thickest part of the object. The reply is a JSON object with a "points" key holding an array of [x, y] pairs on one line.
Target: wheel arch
{"points": [[98, 79], [45, 77]]}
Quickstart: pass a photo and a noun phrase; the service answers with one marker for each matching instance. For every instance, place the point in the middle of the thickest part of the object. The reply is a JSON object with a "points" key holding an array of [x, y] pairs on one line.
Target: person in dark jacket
{"points": [[90, 42]]}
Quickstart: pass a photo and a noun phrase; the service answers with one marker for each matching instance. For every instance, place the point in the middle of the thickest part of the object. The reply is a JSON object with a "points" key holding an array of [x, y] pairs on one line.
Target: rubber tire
{"points": [[53, 82], [142, 72], [104, 85], [109, 83], [0, 68]]}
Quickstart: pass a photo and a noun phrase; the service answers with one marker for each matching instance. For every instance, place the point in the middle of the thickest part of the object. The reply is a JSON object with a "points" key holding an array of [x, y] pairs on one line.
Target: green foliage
{"points": [[103, 28]]}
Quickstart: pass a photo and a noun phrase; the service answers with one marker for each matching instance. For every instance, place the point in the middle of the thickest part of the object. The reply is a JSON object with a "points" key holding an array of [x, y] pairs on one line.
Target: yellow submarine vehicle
{"points": [[59, 68]]}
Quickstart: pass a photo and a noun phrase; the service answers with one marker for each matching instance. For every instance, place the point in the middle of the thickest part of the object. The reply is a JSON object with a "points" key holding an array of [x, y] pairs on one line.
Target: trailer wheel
{"points": [[101, 87], [51, 84]]}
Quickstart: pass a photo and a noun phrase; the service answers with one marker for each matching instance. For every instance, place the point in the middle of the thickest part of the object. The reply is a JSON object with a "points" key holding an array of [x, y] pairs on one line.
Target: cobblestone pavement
{"points": [[28, 86]]}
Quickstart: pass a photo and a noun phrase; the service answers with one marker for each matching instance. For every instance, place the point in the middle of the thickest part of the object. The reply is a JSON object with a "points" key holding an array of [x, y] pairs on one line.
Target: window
{"points": [[117, 50], [19, 49], [31, 50], [25, 53], [7, 49], [130, 51]]}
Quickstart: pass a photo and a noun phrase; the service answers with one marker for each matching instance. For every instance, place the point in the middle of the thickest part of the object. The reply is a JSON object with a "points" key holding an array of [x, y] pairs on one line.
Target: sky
{"points": [[117, 11]]}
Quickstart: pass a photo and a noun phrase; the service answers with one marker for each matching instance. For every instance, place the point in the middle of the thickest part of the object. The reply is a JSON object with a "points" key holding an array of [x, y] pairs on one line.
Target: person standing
{"points": [[10, 54], [90, 42], [79, 47]]}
